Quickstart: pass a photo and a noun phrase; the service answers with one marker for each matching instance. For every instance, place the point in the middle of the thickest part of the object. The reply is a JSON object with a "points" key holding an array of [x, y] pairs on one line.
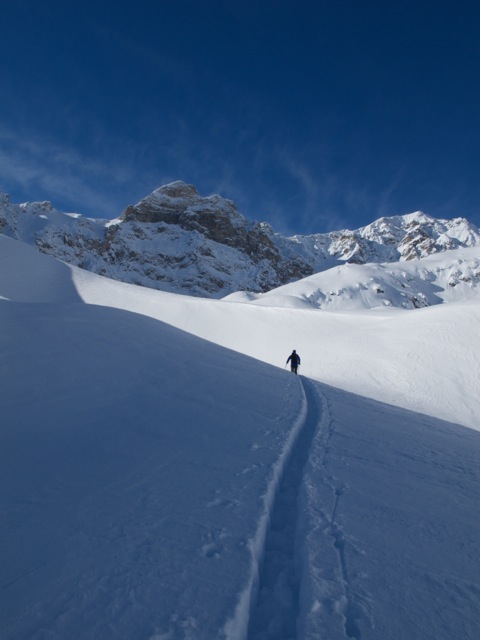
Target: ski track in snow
{"points": [[350, 610], [277, 608], [237, 627], [326, 595], [281, 597]]}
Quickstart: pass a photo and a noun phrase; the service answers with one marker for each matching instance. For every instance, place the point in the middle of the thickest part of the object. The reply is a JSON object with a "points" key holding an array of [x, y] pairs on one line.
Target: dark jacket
{"points": [[295, 358]]}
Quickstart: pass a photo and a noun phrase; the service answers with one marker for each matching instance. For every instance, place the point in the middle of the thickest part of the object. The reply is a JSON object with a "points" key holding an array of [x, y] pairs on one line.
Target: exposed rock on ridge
{"points": [[214, 217], [177, 240]]}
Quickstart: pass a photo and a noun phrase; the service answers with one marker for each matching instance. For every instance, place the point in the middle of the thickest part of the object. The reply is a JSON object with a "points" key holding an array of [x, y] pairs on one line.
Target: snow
{"points": [[445, 277], [380, 353], [162, 480], [134, 473], [391, 524]]}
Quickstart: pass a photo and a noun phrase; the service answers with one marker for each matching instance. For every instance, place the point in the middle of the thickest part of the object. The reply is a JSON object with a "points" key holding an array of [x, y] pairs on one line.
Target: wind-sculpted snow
{"points": [[27, 276], [158, 486]]}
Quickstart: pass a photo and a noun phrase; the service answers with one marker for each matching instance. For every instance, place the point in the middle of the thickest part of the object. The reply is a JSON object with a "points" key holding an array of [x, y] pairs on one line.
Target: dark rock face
{"points": [[218, 220], [214, 217]]}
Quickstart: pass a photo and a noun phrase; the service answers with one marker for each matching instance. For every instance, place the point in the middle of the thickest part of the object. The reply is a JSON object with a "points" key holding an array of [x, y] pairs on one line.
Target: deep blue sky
{"points": [[311, 115]]}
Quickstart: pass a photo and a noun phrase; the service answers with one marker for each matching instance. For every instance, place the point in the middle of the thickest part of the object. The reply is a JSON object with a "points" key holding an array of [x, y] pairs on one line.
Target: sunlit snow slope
{"points": [[450, 276], [426, 360], [158, 486]]}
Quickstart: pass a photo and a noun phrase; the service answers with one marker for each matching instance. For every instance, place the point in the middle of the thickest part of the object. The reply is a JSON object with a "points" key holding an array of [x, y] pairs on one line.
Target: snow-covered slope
{"points": [[179, 241], [158, 486], [382, 354], [451, 276], [136, 479]]}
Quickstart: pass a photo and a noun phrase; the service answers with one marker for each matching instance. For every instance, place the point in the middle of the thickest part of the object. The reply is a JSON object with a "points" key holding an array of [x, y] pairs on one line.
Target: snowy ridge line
{"points": [[237, 627]]}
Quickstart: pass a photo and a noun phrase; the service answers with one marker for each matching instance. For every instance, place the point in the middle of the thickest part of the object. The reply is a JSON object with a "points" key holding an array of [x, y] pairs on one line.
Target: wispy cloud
{"points": [[40, 182], [317, 204], [40, 168], [386, 202]]}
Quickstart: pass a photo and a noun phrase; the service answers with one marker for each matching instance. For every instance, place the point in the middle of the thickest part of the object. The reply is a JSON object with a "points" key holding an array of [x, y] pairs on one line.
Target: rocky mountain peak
{"points": [[177, 189], [213, 217], [180, 203], [38, 207]]}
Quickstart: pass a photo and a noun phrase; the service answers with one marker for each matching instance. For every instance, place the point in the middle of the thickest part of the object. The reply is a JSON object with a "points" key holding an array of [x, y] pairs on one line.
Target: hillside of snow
{"points": [[379, 353], [162, 484], [452, 276]]}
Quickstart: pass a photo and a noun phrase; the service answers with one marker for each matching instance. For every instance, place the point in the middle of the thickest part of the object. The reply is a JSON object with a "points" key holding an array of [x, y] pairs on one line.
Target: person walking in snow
{"points": [[294, 360]]}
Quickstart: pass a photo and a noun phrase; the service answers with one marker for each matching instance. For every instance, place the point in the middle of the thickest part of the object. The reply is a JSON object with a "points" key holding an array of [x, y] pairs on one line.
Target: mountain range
{"points": [[179, 241]]}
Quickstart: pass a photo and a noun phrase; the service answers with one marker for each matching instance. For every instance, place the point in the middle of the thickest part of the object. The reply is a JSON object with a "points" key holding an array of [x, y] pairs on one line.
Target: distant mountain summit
{"points": [[180, 241]]}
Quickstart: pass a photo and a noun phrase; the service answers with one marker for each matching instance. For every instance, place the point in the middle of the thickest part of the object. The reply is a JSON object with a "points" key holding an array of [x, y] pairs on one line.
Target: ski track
{"points": [[277, 607], [237, 627], [330, 606]]}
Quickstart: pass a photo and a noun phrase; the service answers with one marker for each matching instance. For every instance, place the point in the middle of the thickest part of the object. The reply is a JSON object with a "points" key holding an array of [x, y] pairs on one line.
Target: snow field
{"points": [[426, 360], [158, 486], [390, 522], [137, 471]]}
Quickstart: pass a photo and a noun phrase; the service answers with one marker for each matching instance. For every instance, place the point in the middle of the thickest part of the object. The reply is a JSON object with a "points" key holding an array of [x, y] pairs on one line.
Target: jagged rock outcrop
{"points": [[213, 217], [177, 240]]}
